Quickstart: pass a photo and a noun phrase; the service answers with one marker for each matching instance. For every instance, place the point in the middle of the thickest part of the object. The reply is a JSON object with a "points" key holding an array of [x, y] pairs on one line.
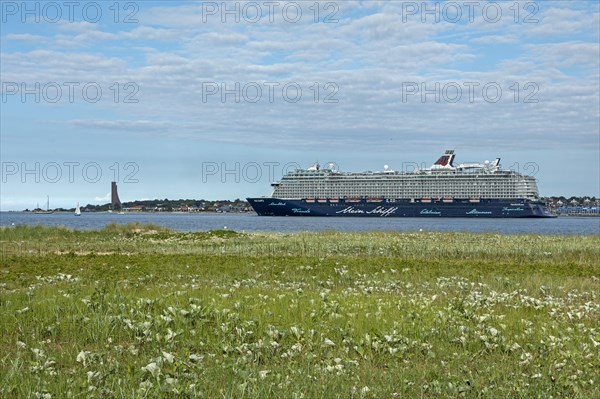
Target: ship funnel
{"points": [[446, 159]]}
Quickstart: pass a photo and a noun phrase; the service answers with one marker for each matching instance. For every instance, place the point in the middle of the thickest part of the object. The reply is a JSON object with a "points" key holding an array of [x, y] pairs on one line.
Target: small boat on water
{"points": [[47, 211], [77, 210]]}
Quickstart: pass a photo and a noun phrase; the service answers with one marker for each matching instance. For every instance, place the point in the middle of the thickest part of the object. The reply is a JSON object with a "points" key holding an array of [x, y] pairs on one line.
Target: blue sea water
{"points": [[252, 222]]}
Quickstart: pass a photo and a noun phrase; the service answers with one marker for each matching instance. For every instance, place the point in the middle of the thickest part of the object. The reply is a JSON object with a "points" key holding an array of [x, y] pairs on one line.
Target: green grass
{"points": [[139, 311]]}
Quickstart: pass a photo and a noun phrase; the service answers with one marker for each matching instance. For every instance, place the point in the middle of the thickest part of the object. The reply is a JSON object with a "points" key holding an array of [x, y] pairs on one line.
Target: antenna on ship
{"points": [[315, 166]]}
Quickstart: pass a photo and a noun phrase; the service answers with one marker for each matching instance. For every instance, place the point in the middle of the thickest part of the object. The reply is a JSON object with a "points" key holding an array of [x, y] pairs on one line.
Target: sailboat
{"points": [[47, 211], [77, 210]]}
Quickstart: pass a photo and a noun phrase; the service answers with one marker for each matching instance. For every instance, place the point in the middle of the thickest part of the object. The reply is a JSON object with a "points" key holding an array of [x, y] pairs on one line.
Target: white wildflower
{"points": [[82, 357], [38, 353], [170, 335], [92, 374], [168, 357], [195, 358], [559, 366], [295, 331], [328, 342], [263, 374], [153, 369]]}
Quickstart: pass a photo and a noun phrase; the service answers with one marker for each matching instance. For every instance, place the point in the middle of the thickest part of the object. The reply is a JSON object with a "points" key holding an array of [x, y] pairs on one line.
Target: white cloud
{"points": [[496, 39], [567, 54], [150, 33], [223, 38], [146, 126], [556, 22], [77, 26], [25, 37], [104, 199]]}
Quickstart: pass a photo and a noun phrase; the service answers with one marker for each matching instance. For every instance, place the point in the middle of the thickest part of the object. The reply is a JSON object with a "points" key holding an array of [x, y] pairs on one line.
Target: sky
{"points": [[215, 100]]}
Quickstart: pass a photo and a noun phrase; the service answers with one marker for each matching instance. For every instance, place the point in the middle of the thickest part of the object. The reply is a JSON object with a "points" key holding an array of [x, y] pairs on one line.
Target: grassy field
{"points": [[139, 311]]}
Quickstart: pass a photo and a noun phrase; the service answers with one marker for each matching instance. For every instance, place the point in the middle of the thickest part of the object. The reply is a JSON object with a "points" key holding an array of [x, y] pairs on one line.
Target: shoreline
{"points": [[582, 215]]}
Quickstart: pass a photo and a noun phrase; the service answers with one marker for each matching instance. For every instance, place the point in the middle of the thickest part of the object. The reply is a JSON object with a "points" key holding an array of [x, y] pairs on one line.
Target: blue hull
{"points": [[458, 208]]}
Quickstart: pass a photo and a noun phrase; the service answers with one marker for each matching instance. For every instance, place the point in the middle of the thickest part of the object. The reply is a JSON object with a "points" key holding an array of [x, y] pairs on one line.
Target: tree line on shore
{"points": [[167, 205]]}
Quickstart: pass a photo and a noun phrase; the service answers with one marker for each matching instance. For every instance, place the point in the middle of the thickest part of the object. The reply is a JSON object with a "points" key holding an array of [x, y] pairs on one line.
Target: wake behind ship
{"points": [[443, 190]]}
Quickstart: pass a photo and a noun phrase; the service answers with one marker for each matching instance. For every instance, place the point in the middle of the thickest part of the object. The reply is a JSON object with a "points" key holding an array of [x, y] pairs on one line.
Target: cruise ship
{"points": [[469, 190]]}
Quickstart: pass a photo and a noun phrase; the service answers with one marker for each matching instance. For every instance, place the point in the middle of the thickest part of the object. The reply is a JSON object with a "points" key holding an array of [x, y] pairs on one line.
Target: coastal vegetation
{"points": [[140, 311], [167, 205]]}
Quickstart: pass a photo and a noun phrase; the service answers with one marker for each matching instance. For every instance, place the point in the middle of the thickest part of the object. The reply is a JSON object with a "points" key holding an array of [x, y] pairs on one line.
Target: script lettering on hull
{"points": [[476, 212], [300, 210], [380, 210], [383, 211], [430, 212], [351, 209]]}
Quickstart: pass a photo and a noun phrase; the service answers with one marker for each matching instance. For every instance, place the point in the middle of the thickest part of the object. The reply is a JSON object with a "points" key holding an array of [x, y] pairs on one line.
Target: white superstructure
{"points": [[442, 180]]}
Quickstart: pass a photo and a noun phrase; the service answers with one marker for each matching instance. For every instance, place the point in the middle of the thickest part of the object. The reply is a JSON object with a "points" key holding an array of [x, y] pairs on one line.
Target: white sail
{"points": [[77, 210]]}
